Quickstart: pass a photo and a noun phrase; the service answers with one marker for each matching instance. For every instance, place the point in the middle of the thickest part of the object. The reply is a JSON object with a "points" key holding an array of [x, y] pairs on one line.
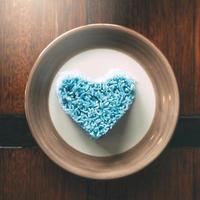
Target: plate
{"points": [[139, 137]]}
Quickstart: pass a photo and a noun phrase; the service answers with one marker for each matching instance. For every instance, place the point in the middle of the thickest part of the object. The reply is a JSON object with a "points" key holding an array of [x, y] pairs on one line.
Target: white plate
{"points": [[95, 64]]}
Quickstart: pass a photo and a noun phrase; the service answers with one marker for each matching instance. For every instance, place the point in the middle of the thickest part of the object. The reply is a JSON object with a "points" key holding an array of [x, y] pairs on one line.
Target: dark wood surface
{"points": [[15, 132], [28, 174], [26, 27]]}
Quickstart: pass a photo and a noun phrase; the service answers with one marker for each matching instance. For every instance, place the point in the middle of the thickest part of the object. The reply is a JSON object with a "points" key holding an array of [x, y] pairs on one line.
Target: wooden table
{"points": [[26, 27]]}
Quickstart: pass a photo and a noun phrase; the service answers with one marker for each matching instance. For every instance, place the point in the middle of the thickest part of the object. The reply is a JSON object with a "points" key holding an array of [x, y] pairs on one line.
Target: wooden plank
{"points": [[196, 174], [197, 56], [26, 28], [14, 132], [168, 24], [187, 132], [171, 29], [29, 174], [31, 25], [130, 13], [169, 177]]}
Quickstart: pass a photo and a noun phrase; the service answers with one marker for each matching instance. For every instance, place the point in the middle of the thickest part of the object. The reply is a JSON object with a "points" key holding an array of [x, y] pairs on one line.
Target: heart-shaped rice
{"points": [[96, 106]]}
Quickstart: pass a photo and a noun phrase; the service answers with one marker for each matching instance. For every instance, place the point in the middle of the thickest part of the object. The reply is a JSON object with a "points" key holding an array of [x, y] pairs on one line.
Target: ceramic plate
{"points": [[140, 135]]}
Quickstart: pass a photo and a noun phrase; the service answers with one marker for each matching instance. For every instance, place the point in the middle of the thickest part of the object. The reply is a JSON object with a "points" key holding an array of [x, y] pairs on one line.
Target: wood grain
{"points": [[171, 29], [15, 132], [129, 13], [29, 174], [26, 28], [196, 174], [30, 25], [168, 24], [197, 56]]}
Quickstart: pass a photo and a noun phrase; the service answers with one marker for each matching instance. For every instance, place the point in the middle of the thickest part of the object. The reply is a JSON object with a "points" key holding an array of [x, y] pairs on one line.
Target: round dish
{"points": [[154, 64], [131, 128]]}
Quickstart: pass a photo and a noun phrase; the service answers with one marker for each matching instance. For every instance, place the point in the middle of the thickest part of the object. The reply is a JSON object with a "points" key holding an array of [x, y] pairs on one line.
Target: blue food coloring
{"points": [[96, 106]]}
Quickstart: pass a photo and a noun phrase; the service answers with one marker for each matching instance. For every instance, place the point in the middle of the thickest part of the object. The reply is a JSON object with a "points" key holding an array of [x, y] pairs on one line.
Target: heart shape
{"points": [[96, 106]]}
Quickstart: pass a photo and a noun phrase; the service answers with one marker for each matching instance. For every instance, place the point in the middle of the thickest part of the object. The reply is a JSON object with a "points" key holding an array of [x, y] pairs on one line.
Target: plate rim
{"points": [[133, 33]]}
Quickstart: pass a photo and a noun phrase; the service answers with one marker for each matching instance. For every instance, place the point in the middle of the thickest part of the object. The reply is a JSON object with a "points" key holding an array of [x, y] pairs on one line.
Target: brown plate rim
{"points": [[134, 34]]}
